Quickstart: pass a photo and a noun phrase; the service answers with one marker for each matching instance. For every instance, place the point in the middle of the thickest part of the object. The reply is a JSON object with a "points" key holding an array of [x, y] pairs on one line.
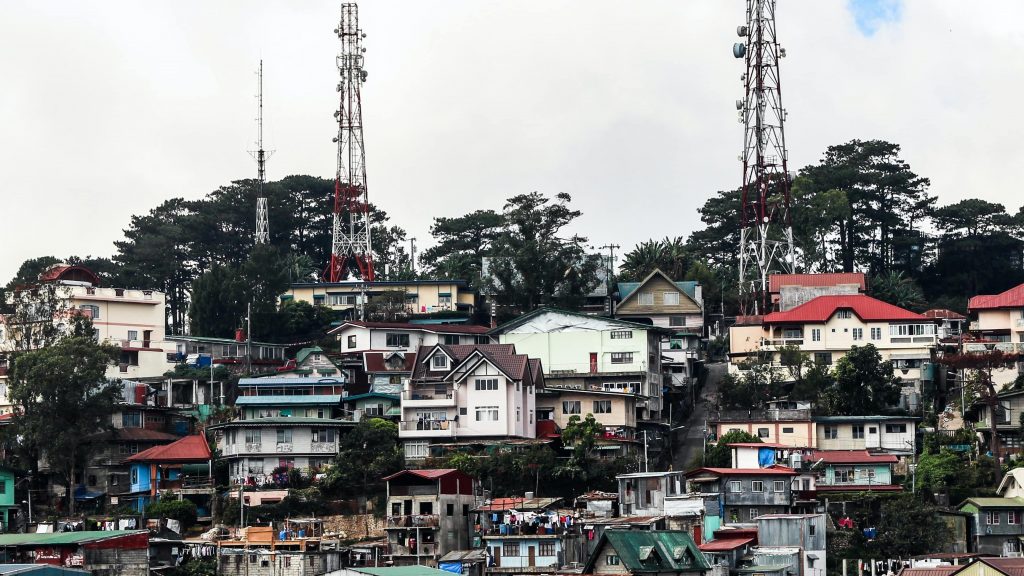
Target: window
{"points": [[90, 311], [287, 561], [546, 549], [911, 329], [844, 314], [395, 340], [858, 333], [787, 430], [131, 419], [449, 509], [895, 428], [753, 513], [416, 450], [352, 341], [288, 463], [876, 333], [510, 549], [486, 413], [992, 518], [621, 334], [318, 299], [646, 298], [451, 339], [810, 530], [622, 357], [131, 448], [756, 486], [571, 407], [677, 320], [439, 362], [815, 334], [823, 358], [133, 334], [444, 299], [670, 298], [1012, 517], [858, 431], [831, 432], [284, 435], [602, 406], [611, 560], [323, 435], [762, 432], [779, 486], [482, 339], [486, 383], [735, 486], [252, 436]]}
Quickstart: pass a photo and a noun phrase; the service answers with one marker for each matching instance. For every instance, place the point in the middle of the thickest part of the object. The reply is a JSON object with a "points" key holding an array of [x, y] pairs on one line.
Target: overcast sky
{"points": [[108, 108]]}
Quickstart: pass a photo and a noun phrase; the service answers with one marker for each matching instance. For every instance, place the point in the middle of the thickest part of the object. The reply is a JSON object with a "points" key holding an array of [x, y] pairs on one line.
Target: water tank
{"points": [[796, 460], [739, 50]]}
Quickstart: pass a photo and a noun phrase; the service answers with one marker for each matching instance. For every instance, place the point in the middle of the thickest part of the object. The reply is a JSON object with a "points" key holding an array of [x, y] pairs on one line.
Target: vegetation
{"points": [[168, 506], [367, 453], [719, 455]]}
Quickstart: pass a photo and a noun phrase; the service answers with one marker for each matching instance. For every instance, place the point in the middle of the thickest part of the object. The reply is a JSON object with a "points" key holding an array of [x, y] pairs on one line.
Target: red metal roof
{"points": [[188, 449], [143, 435], [375, 362], [771, 471], [852, 457], [59, 271], [429, 474], [822, 308], [724, 545], [777, 281], [1012, 298], [944, 314], [931, 571]]}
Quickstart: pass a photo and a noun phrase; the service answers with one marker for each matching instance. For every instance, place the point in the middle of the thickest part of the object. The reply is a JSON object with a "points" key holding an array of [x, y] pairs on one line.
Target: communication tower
{"points": [[766, 233], [351, 229], [262, 225]]}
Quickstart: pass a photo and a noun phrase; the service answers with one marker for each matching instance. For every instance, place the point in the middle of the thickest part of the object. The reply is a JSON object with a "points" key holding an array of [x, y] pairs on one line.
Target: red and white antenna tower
{"points": [[766, 235], [351, 232]]}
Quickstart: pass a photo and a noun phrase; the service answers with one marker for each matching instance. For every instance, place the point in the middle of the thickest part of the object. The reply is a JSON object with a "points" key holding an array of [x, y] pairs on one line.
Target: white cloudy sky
{"points": [[109, 107]]}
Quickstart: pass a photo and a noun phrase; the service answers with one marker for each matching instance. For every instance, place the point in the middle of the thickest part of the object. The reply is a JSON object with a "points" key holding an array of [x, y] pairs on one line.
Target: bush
{"points": [[183, 511]]}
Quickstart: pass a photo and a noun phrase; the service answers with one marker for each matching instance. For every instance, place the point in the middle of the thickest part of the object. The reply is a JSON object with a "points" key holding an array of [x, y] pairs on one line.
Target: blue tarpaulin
{"points": [[765, 457], [453, 567]]}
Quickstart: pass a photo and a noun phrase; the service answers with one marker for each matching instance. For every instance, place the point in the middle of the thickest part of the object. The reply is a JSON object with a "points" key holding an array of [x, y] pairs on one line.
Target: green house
{"points": [[7, 502], [661, 552]]}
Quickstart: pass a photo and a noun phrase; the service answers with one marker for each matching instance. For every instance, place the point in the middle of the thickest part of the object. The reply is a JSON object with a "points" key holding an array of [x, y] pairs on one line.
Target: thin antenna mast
{"points": [[262, 224], [766, 234], [351, 230]]}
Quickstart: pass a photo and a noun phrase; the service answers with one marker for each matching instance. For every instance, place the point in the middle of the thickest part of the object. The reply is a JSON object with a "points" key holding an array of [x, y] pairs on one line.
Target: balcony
{"points": [[284, 448], [974, 326], [323, 447], [429, 397], [426, 429], [414, 521], [424, 549], [773, 344]]}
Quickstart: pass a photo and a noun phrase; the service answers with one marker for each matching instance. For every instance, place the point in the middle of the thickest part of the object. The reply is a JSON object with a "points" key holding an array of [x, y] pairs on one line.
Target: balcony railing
{"points": [[777, 342], [427, 424], [424, 549], [975, 326], [429, 397], [414, 521], [284, 447]]}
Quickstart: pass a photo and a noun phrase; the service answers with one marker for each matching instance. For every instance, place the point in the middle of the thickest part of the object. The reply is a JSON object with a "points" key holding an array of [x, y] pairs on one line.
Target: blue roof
{"points": [[275, 400], [687, 286], [277, 381], [371, 395]]}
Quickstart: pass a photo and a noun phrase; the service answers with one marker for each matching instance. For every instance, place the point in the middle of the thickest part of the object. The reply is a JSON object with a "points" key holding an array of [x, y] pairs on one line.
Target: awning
{"points": [[83, 495]]}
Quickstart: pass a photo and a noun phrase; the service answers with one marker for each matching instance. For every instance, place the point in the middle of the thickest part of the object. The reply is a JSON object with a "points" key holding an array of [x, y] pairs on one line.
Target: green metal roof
{"points": [[371, 395], [302, 354], [402, 571], [689, 287], [309, 399], [58, 538], [653, 551], [995, 502]]}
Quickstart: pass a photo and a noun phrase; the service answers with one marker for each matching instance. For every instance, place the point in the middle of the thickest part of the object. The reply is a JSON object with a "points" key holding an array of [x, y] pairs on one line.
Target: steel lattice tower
{"points": [[262, 224], [766, 235], [351, 231]]}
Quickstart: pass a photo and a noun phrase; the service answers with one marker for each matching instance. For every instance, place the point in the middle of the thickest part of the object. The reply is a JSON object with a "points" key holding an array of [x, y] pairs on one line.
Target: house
{"points": [[7, 501], [295, 547], [1008, 410], [661, 552], [282, 423], [986, 566], [852, 471], [526, 535], [429, 514], [827, 327], [238, 355], [804, 532], [891, 434], [183, 468], [388, 372], [374, 405], [131, 320], [741, 494], [614, 410], [787, 291], [469, 392], [422, 297], [310, 361], [789, 427], [1012, 484], [581, 352], [598, 504], [727, 553], [997, 526], [998, 317], [951, 324], [644, 493], [678, 306], [123, 552]]}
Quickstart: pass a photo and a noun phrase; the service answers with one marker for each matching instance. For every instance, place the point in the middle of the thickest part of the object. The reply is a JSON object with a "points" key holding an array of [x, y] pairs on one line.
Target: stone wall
{"points": [[355, 526]]}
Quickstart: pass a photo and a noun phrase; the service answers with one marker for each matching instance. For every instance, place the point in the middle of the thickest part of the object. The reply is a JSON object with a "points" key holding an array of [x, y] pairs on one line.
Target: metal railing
{"points": [[414, 521]]}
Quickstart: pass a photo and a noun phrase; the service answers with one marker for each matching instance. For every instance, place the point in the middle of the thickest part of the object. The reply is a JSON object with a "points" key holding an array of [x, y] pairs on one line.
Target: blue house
{"points": [[525, 535], [181, 468]]}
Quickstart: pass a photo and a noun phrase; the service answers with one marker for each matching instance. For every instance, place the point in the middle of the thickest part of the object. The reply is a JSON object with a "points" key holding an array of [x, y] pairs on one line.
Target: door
{"points": [[497, 556], [593, 362], [532, 554]]}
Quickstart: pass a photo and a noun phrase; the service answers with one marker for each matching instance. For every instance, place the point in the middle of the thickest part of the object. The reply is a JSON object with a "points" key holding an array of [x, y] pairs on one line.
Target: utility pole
{"points": [[248, 338], [609, 271], [412, 255], [645, 451]]}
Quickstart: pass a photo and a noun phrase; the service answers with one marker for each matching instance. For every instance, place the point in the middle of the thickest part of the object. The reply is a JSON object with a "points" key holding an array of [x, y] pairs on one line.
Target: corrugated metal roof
{"points": [[653, 551], [188, 449], [277, 381], [419, 570], [1012, 298], [932, 571], [432, 328], [777, 281], [275, 400], [43, 569], [58, 538], [822, 308], [996, 502], [724, 545], [852, 457], [773, 471], [943, 313], [429, 473]]}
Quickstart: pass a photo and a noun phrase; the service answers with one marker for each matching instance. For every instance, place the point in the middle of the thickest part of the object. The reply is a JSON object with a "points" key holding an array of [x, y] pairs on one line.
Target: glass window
{"points": [[621, 334], [831, 432], [622, 357], [816, 335], [992, 518], [133, 334], [602, 406], [451, 339], [546, 549], [486, 413], [439, 361], [677, 320], [571, 407], [735, 486], [395, 340], [612, 560], [284, 436], [646, 298], [757, 486], [510, 549], [779, 486], [323, 435], [131, 419], [858, 431], [486, 383], [352, 341], [787, 430], [753, 513], [895, 428], [252, 436], [858, 333], [823, 358], [876, 333], [845, 313], [670, 298], [762, 432]]}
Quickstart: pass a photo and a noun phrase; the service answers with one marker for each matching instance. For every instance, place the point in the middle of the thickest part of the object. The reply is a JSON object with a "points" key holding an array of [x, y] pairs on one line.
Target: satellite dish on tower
{"points": [[739, 50]]}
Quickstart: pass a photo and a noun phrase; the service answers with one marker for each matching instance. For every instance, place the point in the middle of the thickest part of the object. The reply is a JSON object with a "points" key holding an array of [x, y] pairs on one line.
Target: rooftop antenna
{"points": [[351, 230], [766, 234], [262, 225]]}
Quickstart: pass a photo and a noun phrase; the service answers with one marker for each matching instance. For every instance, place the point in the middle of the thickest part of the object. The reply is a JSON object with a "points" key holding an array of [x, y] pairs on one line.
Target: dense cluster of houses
{"points": [[451, 386]]}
